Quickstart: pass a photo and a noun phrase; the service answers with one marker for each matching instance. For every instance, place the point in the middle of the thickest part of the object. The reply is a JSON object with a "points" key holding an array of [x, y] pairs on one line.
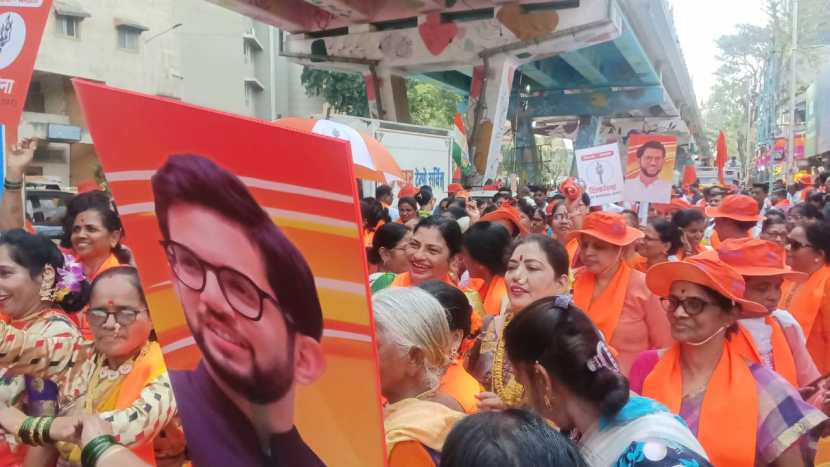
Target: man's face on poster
{"points": [[651, 162], [253, 358]]}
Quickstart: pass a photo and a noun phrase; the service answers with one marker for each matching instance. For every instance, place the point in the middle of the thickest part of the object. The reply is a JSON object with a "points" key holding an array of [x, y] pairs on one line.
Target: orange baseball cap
{"points": [[609, 227], [407, 191], [736, 207], [454, 187], [708, 270], [754, 257], [509, 214]]}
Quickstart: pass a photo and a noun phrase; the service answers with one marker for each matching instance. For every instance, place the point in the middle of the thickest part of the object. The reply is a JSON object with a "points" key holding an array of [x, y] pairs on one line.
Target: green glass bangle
{"points": [[25, 432], [95, 448], [45, 437], [36, 431]]}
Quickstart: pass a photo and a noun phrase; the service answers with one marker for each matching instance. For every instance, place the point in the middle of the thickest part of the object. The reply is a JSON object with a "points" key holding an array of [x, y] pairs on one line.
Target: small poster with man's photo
{"points": [[650, 168]]}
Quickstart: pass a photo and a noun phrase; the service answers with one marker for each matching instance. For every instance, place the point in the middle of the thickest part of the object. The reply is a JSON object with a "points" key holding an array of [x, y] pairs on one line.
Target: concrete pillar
{"points": [[489, 99], [526, 148], [386, 92]]}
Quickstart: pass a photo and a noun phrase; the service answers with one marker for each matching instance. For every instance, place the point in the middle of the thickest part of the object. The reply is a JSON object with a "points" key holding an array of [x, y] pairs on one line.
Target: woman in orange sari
{"points": [[613, 294], [414, 347], [434, 246], [743, 413], [485, 247], [120, 375], [809, 301]]}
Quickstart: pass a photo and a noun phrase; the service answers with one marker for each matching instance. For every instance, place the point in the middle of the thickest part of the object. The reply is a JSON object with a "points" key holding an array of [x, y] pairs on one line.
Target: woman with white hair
{"points": [[414, 347]]}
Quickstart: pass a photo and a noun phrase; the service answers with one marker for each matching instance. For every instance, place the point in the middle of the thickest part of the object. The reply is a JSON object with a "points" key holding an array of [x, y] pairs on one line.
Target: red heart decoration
{"points": [[436, 35]]}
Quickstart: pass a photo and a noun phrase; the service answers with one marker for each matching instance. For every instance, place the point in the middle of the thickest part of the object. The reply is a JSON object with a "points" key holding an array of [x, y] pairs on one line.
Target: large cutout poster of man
{"points": [[650, 168], [267, 334]]}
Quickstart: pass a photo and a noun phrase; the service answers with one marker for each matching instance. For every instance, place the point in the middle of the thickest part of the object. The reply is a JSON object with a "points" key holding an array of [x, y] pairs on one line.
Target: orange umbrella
{"points": [[371, 160]]}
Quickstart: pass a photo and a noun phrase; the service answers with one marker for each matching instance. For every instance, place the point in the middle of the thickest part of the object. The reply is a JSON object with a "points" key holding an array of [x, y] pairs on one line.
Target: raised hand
{"points": [[18, 158]]}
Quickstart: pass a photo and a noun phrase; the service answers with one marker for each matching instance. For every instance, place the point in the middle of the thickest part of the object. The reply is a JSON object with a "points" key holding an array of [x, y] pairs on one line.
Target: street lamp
{"points": [[177, 25]]}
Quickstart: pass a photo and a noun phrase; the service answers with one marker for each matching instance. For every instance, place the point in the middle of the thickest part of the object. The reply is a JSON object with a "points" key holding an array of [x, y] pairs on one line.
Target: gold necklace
{"points": [[511, 393], [104, 380]]}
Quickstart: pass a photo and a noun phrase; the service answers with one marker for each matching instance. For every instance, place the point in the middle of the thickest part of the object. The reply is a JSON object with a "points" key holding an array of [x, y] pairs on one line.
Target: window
{"points": [[69, 26], [128, 38], [249, 94]]}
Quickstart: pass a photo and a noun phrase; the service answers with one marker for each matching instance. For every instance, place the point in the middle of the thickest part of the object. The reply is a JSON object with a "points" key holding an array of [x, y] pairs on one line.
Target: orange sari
{"points": [[805, 301], [606, 309], [731, 390]]}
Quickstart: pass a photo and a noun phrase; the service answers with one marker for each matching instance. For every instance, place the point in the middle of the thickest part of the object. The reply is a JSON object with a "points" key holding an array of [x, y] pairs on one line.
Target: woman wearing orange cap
{"points": [[809, 301], [538, 268], [612, 293], [434, 245], [743, 413], [509, 217], [735, 217], [777, 338]]}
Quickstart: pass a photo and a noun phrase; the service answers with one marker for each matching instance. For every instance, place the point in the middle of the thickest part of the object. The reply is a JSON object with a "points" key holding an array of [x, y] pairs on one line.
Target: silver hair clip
{"points": [[603, 359]]}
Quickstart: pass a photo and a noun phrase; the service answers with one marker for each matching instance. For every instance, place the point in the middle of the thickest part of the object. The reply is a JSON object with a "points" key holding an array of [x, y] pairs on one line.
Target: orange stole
{"points": [[606, 309], [146, 369], [638, 263], [572, 247], [804, 300], [495, 293], [714, 240], [462, 387], [410, 454], [782, 356], [731, 390], [405, 280]]}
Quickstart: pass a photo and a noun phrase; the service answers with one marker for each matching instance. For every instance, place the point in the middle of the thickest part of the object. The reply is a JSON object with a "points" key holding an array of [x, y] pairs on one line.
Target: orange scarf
{"points": [[782, 356], [572, 248], [606, 309], [462, 387], [495, 293], [405, 280], [637, 262], [731, 390], [714, 240], [804, 300], [111, 262], [146, 369]]}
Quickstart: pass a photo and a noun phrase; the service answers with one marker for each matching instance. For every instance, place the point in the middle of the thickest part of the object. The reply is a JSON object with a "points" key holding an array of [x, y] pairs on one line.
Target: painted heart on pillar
{"points": [[527, 26], [436, 35]]}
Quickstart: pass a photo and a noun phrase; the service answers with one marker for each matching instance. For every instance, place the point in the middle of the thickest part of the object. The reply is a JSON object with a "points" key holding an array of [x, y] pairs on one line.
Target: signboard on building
{"points": [[600, 169]]}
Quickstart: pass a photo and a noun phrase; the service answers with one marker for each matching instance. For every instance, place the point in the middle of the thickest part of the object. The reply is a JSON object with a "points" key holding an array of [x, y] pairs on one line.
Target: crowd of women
{"points": [[530, 329], [83, 380]]}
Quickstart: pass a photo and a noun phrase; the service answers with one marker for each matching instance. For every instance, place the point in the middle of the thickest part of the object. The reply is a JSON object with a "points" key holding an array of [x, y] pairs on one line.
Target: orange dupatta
{"points": [[606, 309], [572, 247], [461, 386], [731, 390], [782, 356], [495, 293], [804, 300], [405, 280]]}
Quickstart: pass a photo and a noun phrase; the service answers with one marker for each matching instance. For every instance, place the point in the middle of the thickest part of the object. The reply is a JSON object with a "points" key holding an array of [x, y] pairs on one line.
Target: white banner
{"points": [[601, 171]]}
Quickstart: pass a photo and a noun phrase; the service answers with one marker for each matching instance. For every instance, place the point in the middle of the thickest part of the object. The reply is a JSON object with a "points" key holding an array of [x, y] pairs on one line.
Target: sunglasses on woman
{"points": [[692, 306], [124, 316]]}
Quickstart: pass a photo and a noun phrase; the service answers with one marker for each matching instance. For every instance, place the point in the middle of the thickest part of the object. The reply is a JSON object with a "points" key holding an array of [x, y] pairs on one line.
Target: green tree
{"points": [[344, 92], [429, 104]]}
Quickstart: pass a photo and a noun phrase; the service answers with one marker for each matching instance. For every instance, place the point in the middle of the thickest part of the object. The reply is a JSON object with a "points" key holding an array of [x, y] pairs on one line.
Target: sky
{"points": [[699, 23]]}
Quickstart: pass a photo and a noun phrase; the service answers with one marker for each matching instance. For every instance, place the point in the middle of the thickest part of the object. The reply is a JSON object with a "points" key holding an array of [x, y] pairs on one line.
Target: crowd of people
{"points": [[697, 333], [527, 328]]}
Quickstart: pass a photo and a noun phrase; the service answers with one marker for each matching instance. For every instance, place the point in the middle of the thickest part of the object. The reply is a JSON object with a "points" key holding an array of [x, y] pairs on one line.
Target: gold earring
{"points": [[47, 289]]}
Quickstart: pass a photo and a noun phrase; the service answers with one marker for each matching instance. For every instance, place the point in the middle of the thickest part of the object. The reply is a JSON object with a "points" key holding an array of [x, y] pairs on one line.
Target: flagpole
{"points": [[788, 167]]}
